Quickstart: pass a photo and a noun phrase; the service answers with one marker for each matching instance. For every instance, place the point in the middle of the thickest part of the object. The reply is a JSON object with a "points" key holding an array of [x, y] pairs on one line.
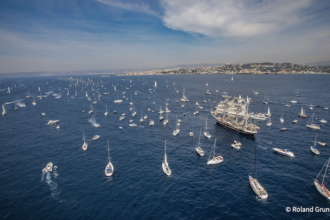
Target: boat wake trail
{"points": [[264, 148], [48, 93], [18, 101], [49, 178], [93, 122]]}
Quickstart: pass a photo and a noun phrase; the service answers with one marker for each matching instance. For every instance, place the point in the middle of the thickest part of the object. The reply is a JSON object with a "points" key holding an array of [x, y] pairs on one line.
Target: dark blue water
{"points": [[139, 189]]}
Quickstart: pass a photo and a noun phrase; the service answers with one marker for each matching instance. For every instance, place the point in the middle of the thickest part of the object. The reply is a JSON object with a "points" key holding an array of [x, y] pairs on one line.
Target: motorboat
{"points": [[295, 121], [322, 143], [323, 121], [191, 134], [282, 129], [49, 167], [284, 152], [51, 122], [96, 137]]}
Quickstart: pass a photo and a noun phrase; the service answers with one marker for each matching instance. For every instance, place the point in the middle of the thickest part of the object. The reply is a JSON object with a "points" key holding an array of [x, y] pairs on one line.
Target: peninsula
{"points": [[250, 68]]}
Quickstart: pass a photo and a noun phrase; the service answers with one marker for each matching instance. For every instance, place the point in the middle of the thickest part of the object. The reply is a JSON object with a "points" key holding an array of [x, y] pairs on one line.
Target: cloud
{"points": [[234, 18], [139, 7]]}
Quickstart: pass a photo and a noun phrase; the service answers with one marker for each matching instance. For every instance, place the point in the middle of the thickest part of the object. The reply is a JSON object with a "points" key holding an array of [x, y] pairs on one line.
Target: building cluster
{"points": [[250, 68]]}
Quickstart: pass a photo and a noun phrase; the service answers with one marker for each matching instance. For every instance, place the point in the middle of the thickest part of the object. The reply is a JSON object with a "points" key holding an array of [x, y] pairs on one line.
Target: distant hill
{"points": [[189, 66], [323, 63]]}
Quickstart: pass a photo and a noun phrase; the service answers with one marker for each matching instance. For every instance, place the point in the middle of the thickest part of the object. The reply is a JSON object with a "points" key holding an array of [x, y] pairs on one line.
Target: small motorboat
{"points": [[49, 167], [191, 134], [284, 152], [237, 145], [96, 137], [323, 121], [295, 121], [322, 143], [283, 129]]}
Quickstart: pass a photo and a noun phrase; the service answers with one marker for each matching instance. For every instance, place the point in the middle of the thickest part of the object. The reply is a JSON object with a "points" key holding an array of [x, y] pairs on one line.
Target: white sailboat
{"points": [[134, 112], [313, 148], [268, 113], [281, 119], [198, 148], [196, 112], [206, 133], [212, 158], [166, 120], [86, 94], [256, 186], [311, 125], [106, 110], [177, 130], [8, 90], [118, 100], [155, 84], [34, 101], [321, 187], [184, 98], [3, 110], [269, 123], [165, 166], [39, 88], [90, 111], [207, 92], [109, 168], [84, 146], [141, 120], [302, 114]]}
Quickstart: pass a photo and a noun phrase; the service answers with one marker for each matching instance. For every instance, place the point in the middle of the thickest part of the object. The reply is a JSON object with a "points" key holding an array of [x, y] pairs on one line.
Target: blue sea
{"points": [[139, 189]]}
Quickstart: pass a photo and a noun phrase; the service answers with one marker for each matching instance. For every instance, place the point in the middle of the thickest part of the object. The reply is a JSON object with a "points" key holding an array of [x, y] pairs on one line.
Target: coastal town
{"points": [[250, 68]]}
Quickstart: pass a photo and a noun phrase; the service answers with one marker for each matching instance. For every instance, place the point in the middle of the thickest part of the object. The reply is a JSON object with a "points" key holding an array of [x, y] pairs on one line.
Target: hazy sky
{"points": [[66, 35]]}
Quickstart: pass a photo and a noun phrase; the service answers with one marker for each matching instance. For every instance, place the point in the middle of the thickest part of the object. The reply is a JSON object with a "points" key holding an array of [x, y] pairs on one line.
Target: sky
{"points": [[72, 35]]}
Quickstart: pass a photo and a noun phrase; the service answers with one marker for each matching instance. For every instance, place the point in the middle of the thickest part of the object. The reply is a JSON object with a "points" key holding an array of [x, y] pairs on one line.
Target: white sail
{"points": [[3, 110], [8, 90], [155, 84]]}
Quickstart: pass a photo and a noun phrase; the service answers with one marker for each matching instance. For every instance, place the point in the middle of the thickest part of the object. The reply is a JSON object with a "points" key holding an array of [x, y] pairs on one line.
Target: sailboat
{"points": [[214, 159], [313, 148], [109, 168], [155, 84], [39, 88], [29, 95], [265, 102], [281, 119], [134, 113], [166, 120], [196, 112], [165, 166], [302, 114], [3, 110], [321, 187], [256, 186], [207, 92], [86, 94], [268, 113], [206, 133], [160, 112], [131, 103], [141, 120], [76, 94], [177, 130], [34, 101], [269, 123], [106, 110], [166, 109], [8, 90], [311, 125], [84, 146], [118, 100], [199, 150], [184, 98]]}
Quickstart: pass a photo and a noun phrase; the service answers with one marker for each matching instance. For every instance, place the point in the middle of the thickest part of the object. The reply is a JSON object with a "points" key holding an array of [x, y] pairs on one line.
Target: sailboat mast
{"points": [[108, 151], [255, 161], [325, 172]]}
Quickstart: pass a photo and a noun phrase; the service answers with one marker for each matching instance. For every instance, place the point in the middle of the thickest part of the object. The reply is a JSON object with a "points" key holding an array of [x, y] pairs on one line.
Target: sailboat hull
{"points": [[258, 188], [321, 190], [166, 169], [109, 169], [238, 130]]}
